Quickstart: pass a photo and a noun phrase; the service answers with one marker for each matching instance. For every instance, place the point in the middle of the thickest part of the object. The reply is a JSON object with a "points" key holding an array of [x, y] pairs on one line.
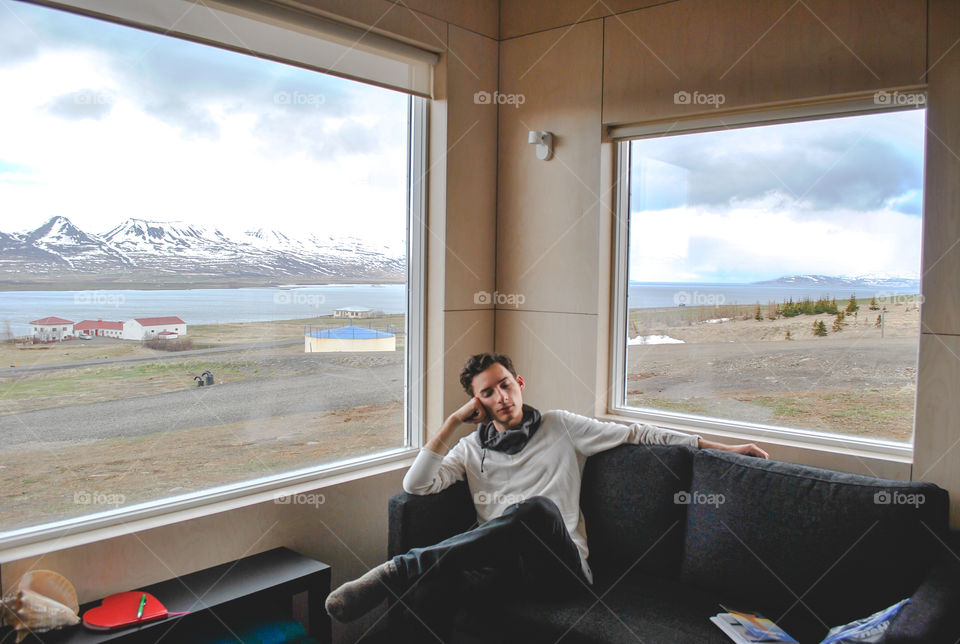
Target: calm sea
{"points": [[208, 306], [196, 306], [659, 294]]}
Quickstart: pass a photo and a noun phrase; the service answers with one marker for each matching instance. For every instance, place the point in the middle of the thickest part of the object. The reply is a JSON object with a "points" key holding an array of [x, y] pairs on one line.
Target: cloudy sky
{"points": [[831, 197], [100, 123]]}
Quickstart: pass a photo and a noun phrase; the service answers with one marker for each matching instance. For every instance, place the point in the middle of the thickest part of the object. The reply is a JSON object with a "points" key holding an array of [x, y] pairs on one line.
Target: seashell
{"points": [[40, 601]]}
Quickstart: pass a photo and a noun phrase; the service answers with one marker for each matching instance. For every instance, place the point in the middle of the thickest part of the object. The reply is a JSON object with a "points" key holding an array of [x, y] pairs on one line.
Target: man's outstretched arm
{"points": [[745, 448]]}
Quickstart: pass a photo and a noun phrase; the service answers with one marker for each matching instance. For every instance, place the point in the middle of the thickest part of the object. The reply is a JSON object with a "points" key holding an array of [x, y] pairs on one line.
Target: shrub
{"points": [[180, 344]]}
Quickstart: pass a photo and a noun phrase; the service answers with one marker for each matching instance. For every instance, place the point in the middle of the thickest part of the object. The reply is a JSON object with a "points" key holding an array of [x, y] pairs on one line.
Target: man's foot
{"points": [[358, 597]]}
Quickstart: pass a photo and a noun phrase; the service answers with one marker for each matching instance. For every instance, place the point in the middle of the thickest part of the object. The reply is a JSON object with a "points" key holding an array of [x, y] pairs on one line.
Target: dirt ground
{"points": [[92, 476], [852, 381]]}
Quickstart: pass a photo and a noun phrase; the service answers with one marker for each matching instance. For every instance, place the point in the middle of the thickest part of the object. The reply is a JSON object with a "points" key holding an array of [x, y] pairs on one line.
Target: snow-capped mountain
{"points": [[138, 249], [844, 281]]}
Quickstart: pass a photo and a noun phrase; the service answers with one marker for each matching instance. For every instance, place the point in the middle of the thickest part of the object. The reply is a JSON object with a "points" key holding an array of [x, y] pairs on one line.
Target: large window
{"points": [[772, 277], [208, 268]]}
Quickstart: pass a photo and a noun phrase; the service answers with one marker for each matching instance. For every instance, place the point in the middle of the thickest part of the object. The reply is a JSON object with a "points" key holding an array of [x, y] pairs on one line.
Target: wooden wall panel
{"points": [[554, 352], [481, 16], [941, 239], [937, 440], [470, 154], [937, 435], [548, 211], [754, 53], [519, 17]]}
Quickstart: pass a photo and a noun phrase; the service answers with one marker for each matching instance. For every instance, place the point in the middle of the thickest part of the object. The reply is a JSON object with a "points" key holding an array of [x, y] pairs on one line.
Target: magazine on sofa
{"points": [[746, 628]]}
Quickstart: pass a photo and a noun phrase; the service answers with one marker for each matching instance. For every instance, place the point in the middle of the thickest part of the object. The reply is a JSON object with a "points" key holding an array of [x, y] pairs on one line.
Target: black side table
{"points": [[259, 584]]}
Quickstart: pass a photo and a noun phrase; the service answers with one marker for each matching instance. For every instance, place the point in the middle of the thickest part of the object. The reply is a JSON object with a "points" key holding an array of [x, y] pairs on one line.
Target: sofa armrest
{"points": [[933, 612], [416, 521]]}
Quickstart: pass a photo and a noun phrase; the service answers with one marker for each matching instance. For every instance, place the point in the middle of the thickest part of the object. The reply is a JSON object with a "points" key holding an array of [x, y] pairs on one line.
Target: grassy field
{"points": [[100, 475], [233, 333], [677, 316], [202, 335], [27, 391], [84, 385], [876, 413], [24, 355]]}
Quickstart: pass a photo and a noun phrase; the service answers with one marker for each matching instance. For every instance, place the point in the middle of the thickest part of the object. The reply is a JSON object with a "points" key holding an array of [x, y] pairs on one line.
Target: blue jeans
{"points": [[525, 549]]}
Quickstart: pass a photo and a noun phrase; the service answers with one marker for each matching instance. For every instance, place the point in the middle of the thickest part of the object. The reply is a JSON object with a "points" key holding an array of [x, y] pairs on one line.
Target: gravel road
{"points": [[337, 385]]}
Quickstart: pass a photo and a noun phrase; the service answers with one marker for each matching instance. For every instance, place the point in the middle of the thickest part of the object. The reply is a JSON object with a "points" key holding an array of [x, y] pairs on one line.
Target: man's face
{"points": [[501, 394]]}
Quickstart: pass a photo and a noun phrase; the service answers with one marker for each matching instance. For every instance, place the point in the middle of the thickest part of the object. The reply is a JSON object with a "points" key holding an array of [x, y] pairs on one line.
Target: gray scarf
{"points": [[510, 441]]}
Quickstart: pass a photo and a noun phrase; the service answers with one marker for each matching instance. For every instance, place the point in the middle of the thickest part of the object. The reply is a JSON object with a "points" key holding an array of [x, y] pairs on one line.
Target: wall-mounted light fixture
{"points": [[544, 143]]}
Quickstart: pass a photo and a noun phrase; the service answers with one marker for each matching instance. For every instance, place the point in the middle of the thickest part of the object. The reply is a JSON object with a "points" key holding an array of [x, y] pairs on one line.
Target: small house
{"points": [[149, 328], [51, 329]]}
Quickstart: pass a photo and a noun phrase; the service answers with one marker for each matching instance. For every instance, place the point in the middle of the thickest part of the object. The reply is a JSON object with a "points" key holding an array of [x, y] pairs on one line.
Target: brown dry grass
{"points": [[46, 482]]}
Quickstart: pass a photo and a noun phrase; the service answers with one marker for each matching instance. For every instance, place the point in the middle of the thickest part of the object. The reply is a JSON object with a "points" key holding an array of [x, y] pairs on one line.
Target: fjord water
{"points": [[198, 306]]}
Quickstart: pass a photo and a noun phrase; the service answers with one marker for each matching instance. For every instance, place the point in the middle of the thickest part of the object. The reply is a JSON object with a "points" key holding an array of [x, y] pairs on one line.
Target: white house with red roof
{"points": [[103, 328], [168, 327], [51, 329]]}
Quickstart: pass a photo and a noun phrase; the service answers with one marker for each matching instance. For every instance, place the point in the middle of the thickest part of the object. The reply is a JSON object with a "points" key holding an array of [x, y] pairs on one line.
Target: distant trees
{"points": [[852, 306], [838, 322], [819, 328], [873, 304], [806, 306]]}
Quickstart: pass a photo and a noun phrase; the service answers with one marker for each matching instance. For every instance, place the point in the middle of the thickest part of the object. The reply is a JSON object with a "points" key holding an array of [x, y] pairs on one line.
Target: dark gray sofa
{"points": [[674, 532]]}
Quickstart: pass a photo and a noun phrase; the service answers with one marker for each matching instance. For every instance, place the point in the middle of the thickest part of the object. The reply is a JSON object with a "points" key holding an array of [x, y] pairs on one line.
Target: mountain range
{"points": [[144, 253], [853, 282]]}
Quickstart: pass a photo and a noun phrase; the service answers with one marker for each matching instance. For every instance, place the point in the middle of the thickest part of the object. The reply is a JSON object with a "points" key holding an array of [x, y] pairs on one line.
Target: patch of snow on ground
{"points": [[654, 339]]}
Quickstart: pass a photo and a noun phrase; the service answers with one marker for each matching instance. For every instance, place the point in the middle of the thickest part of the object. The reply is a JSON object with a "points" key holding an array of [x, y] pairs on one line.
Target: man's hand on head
{"points": [[472, 412], [749, 449]]}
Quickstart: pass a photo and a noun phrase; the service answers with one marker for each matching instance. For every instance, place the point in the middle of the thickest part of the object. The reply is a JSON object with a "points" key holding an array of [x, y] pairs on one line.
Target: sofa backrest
{"points": [[802, 542], [628, 503]]}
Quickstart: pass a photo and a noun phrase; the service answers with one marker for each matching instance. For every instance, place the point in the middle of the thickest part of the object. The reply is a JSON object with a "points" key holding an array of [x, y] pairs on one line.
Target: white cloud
{"points": [[133, 162], [753, 243]]}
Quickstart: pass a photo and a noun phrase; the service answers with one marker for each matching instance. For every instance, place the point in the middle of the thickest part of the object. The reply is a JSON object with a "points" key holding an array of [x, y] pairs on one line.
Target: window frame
{"points": [[616, 404], [130, 518]]}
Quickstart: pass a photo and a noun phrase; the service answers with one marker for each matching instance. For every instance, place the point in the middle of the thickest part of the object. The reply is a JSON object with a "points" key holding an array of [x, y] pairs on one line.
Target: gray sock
{"points": [[358, 597]]}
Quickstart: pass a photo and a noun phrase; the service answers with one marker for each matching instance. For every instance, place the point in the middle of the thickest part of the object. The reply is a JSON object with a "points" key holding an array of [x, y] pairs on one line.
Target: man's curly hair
{"points": [[481, 362]]}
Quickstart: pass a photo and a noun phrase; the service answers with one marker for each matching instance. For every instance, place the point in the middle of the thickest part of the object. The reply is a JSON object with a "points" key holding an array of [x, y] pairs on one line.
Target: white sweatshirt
{"points": [[550, 465]]}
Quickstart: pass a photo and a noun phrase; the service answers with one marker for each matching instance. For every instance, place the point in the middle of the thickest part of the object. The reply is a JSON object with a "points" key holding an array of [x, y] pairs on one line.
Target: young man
{"points": [[523, 469]]}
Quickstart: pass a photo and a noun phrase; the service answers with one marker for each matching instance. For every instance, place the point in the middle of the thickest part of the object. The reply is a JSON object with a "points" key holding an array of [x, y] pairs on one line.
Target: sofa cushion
{"points": [[417, 521], [622, 609], [787, 539], [627, 498]]}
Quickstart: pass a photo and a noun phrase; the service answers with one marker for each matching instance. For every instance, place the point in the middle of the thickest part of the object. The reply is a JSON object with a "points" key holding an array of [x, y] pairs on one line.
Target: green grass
{"points": [[669, 404]]}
